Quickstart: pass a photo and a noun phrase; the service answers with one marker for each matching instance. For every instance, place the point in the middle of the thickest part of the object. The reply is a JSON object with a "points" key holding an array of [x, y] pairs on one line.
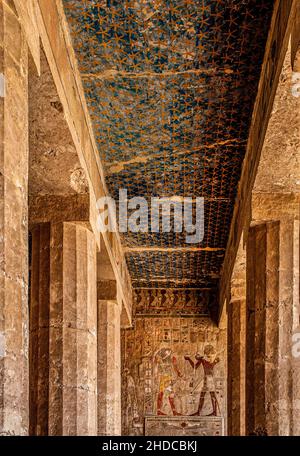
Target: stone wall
{"points": [[173, 372]]}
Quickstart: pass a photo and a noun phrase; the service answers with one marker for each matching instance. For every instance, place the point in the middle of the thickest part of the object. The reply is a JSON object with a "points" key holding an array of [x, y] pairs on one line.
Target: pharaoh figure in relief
{"points": [[167, 374], [131, 412], [208, 361]]}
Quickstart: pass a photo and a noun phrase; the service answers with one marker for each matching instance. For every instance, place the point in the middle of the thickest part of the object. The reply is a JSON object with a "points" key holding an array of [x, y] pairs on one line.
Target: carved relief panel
{"points": [[173, 368]]}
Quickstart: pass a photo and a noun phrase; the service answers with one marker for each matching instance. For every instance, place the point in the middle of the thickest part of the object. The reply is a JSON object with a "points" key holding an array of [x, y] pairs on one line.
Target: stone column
{"points": [[236, 337], [236, 367], [270, 308], [289, 368], [63, 318], [109, 368], [13, 225], [296, 330]]}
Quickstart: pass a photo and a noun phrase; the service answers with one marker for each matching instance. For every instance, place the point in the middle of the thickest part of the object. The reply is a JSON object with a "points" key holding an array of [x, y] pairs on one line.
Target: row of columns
{"points": [[272, 315], [63, 332], [60, 343], [263, 375], [74, 338]]}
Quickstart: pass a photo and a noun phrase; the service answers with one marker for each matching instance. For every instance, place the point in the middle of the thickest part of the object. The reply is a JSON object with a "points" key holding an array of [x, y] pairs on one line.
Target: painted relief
{"points": [[208, 361], [176, 368], [172, 302], [167, 374], [184, 426]]}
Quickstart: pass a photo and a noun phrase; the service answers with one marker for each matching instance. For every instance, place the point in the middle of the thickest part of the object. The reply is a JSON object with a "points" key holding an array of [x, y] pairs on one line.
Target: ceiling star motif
{"points": [[170, 86]]}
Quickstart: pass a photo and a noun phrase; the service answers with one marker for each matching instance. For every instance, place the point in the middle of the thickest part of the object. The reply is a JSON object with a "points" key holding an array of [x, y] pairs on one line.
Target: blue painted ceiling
{"points": [[170, 85]]}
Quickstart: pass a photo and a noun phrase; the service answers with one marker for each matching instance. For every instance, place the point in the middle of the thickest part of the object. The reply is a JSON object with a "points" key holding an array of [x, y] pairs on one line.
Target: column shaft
{"points": [[296, 328], [236, 367], [13, 225], [109, 368], [236, 337], [288, 299], [270, 320]]}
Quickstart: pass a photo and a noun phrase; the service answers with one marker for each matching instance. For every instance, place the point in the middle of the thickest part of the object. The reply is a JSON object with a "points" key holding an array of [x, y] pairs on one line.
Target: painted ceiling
{"points": [[170, 85]]}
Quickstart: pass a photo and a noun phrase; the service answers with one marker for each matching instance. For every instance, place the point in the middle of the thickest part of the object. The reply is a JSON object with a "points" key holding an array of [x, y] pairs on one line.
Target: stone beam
{"points": [[25, 12], [275, 206], [50, 21], [276, 47], [59, 208], [106, 289], [172, 249]]}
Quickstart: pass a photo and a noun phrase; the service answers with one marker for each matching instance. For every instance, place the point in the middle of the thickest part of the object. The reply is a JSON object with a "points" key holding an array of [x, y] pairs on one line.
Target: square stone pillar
{"points": [[109, 347], [236, 313], [271, 293], [236, 337], [109, 367], [13, 225], [63, 318]]}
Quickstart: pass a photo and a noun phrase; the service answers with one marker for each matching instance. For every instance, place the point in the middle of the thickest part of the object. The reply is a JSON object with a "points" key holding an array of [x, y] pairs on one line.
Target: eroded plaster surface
{"points": [[53, 167]]}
